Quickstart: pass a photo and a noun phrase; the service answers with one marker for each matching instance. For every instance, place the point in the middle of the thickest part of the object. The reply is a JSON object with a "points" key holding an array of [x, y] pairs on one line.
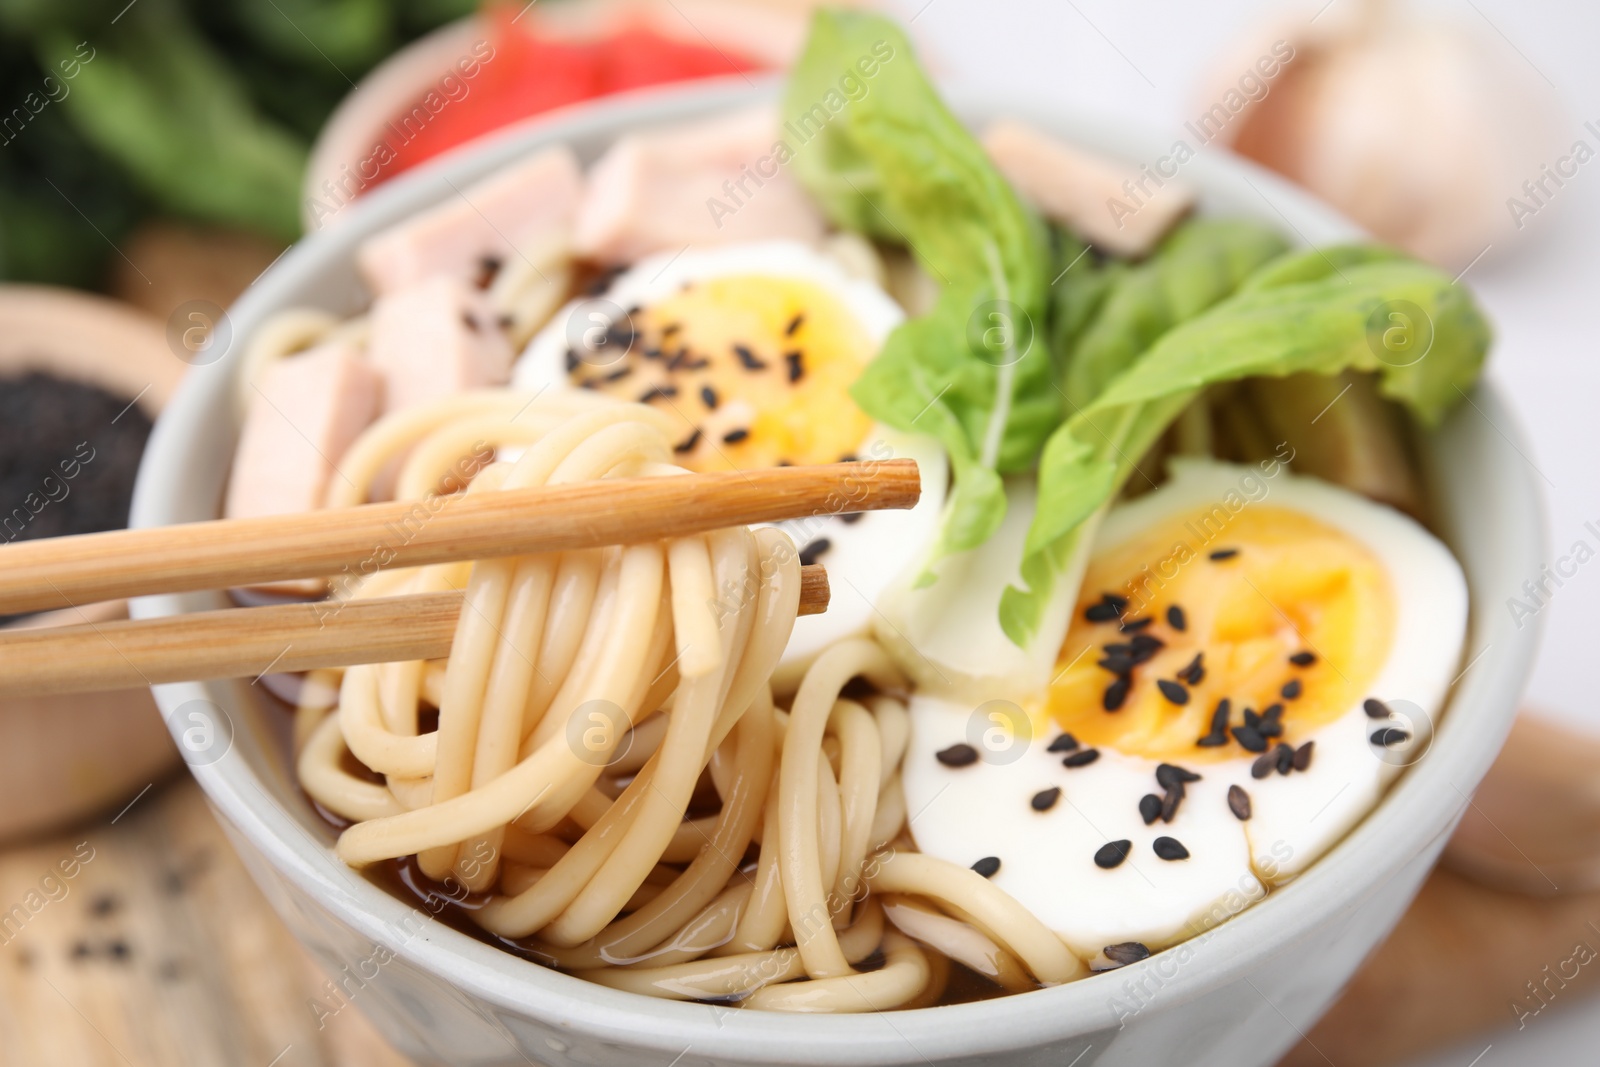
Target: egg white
{"points": [[1047, 859], [863, 556]]}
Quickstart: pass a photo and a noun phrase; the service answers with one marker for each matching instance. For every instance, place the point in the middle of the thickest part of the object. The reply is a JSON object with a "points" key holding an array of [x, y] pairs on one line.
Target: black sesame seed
{"points": [[659, 392], [695, 364], [960, 755], [1239, 803], [1146, 645], [1264, 765], [1303, 659], [1132, 625], [1169, 773], [1390, 736], [1376, 709], [1176, 619], [651, 353], [987, 866], [1173, 691], [1169, 848], [1213, 740], [813, 551], [708, 396], [1302, 755], [733, 437], [1149, 808], [1195, 672], [797, 368], [1271, 725], [794, 324], [1125, 953], [1117, 663], [1170, 802], [688, 443], [488, 267], [1224, 553], [1101, 612], [850, 518], [1118, 603], [747, 358], [1063, 743], [1112, 854], [848, 457], [1291, 689], [1284, 754], [1116, 694], [1219, 717], [1081, 759], [1045, 799], [1252, 718], [1250, 738], [620, 373]]}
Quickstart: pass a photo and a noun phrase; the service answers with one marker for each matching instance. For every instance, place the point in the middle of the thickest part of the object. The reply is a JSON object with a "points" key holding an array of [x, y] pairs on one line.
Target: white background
{"points": [[1147, 60]]}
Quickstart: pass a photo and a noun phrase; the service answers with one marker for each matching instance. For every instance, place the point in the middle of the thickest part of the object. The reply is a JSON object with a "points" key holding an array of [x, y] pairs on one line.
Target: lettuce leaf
{"points": [[885, 157], [1323, 312]]}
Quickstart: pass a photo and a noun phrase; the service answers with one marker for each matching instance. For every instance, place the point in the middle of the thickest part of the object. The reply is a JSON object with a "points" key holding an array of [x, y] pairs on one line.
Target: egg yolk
{"points": [[758, 368], [1268, 609]]}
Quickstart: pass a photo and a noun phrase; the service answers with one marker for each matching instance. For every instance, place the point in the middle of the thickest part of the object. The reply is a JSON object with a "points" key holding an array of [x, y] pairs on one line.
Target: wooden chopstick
{"points": [[249, 642], [68, 571]]}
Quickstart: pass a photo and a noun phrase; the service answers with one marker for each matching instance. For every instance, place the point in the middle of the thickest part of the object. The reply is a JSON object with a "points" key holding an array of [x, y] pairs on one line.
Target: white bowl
{"points": [[1237, 997]]}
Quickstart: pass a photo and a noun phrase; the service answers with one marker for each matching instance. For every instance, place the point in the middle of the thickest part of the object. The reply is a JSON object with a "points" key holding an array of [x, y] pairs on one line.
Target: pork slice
{"points": [[434, 338], [1085, 192], [523, 207], [303, 414], [707, 183]]}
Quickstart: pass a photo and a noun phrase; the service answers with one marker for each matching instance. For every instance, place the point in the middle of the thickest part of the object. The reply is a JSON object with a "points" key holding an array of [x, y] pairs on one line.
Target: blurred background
{"points": [[157, 155]]}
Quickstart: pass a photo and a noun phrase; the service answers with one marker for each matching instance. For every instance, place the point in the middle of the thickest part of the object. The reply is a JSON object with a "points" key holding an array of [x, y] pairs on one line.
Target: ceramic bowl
{"points": [[1238, 997]]}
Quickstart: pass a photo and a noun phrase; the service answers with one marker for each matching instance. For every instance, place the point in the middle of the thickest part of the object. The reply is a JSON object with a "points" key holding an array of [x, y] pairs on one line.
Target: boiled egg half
{"points": [[1253, 658], [754, 348]]}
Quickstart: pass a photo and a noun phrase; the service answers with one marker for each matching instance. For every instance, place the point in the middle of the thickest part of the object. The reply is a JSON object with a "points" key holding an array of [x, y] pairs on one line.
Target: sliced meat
{"points": [[708, 183], [435, 338], [1086, 192], [468, 236], [304, 412]]}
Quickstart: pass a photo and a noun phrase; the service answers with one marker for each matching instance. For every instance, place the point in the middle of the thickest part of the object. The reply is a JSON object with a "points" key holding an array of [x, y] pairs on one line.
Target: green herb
{"points": [[1353, 308], [891, 161]]}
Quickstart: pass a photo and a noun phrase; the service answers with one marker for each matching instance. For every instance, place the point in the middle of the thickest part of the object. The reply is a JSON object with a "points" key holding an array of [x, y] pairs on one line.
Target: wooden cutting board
{"points": [[157, 950]]}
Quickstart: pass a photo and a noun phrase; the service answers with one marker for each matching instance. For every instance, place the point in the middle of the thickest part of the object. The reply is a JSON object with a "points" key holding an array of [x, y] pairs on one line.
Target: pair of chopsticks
{"points": [[67, 572]]}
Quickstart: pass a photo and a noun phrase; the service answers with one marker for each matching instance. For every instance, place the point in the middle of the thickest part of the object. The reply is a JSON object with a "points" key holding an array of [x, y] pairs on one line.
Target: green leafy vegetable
{"points": [[890, 160], [1203, 261], [1356, 308]]}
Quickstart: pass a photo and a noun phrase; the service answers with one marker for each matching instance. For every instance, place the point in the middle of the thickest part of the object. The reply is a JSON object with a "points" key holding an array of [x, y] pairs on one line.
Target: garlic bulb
{"points": [[1420, 129]]}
